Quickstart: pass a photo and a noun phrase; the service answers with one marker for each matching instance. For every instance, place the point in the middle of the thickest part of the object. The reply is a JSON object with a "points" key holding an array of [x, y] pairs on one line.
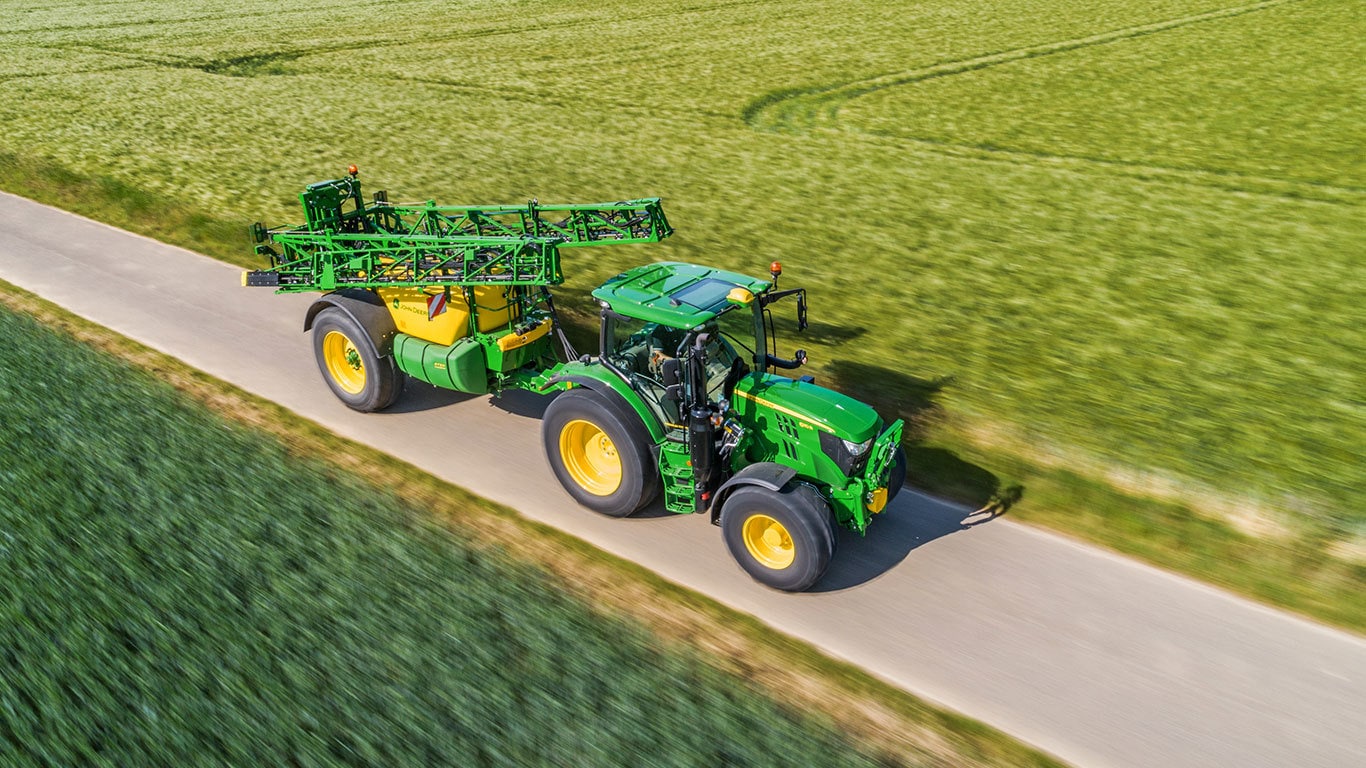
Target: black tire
{"points": [[357, 374], [572, 431], [898, 477], [805, 540]]}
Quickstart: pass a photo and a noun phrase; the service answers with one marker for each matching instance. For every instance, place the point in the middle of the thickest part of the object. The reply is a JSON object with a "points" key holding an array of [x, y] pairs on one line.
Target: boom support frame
{"points": [[347, 243]]}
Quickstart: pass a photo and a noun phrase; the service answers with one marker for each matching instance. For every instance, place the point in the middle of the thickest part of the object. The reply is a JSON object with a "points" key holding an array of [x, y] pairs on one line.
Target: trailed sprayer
{"points": [[683, 395]]}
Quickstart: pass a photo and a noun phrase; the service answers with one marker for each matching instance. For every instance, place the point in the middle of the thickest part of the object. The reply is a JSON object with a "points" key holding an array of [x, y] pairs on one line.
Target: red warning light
{"points": [[353, 170], [775, 269]]}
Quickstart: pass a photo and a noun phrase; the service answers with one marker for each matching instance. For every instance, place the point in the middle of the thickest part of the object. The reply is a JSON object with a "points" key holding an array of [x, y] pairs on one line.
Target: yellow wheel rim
{"points": [[343, 362], [769, 542], [590, 457]]}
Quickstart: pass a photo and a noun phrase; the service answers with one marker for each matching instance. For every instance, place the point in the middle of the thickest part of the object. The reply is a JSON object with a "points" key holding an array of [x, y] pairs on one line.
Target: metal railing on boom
{"points": [[346, 243]]}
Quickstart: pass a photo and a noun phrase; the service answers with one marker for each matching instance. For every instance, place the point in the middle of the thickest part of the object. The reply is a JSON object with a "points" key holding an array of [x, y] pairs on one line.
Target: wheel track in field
{"points": [[254, 64], [816, 109], [507, 27]]}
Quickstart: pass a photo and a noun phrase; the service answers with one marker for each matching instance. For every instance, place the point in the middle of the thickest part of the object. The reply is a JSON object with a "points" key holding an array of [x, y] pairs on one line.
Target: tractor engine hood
{"points": [[822, 408]]}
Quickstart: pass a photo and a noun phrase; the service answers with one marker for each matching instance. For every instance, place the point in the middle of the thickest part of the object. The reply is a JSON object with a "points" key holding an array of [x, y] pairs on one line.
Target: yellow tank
{"points": [[411, 310], [497, 307]]}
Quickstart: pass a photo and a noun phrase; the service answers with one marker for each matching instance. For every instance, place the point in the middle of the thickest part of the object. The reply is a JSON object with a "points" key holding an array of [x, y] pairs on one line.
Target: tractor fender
{"points": [[366, 309], [765, 474], [621, 396]]}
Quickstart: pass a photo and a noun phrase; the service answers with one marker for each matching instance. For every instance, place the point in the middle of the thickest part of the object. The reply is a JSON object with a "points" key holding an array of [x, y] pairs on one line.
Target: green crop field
{"points": [[178, 591], [1123, 237]]}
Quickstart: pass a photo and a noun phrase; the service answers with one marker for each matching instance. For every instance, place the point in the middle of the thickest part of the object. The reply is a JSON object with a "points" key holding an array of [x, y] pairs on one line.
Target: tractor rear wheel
{"points": [[350, 364], [599, 452], [783, 539]]}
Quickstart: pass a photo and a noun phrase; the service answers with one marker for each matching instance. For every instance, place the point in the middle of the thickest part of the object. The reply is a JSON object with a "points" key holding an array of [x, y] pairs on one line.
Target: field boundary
{"points": [[816, 109]]}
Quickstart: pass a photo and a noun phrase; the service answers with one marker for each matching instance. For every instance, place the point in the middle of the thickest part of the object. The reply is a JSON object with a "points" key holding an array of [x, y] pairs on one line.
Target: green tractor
{"points": [[682, 395]]}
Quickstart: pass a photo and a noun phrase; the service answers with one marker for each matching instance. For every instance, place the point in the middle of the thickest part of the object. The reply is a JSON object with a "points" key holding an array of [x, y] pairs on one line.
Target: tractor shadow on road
{"points": [[520, 402], [655, 510], [420, 396], [912, 520], [933, 469]]}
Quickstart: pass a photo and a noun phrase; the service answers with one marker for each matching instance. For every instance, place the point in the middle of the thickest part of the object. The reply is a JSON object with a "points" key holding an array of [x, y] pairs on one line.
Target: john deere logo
{"points": [[407, 307]]}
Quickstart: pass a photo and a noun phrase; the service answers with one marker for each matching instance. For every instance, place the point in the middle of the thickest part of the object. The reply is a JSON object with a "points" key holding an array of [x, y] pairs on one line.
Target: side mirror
{"points": [[801, 311], [797, 361], [669, 372]]}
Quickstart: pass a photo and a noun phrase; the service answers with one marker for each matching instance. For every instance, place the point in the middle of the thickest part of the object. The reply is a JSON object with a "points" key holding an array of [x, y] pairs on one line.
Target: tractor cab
{"points": [[662, 331]]}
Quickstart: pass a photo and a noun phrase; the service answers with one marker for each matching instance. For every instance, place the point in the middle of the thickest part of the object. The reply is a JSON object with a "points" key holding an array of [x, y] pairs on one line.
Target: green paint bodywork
{"points": [[564, 375], [822, 408], [675, 472], [348, 243], [460, 366], [783, 420], [673, 294]]}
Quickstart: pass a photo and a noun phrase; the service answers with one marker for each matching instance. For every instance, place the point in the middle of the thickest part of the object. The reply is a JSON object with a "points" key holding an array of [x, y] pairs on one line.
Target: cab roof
{"points": [[672, 293]]}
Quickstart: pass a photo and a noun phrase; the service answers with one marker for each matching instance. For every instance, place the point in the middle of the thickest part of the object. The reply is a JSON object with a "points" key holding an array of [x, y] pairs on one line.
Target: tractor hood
{"points": [[819, 407]]}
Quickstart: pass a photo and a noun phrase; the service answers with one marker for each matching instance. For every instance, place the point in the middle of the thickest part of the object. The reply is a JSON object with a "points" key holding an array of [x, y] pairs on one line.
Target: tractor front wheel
{"points": [[352, 367], [898, 475], [783, 539], [599, 453]]}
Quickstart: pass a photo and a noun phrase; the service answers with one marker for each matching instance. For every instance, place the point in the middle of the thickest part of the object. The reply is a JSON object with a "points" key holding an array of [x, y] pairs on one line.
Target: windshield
{"points": [[639, 347], [640, 351], [737, 326], [781, 324]]}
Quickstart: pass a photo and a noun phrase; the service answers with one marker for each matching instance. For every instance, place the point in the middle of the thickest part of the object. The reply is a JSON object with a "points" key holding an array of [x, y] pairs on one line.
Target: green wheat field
{"points": [[1124, 238]]}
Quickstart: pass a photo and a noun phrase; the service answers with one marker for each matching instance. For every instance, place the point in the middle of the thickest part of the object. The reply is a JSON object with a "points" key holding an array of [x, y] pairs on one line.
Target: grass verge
{"points": [[111, 201], [1288, 566], [177, 585]]}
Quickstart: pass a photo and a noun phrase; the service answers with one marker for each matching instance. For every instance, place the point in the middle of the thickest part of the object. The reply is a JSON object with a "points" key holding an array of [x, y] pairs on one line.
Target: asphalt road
{"points": [[1097, 659]]}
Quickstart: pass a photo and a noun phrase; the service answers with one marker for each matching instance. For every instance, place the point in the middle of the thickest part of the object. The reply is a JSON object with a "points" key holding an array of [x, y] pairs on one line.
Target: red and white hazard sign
{"points": [[436, 305]]}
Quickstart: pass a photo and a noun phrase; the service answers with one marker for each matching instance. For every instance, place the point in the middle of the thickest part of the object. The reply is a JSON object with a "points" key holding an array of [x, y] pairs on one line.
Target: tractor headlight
{"points": [[858, 449], [851, 457]]}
